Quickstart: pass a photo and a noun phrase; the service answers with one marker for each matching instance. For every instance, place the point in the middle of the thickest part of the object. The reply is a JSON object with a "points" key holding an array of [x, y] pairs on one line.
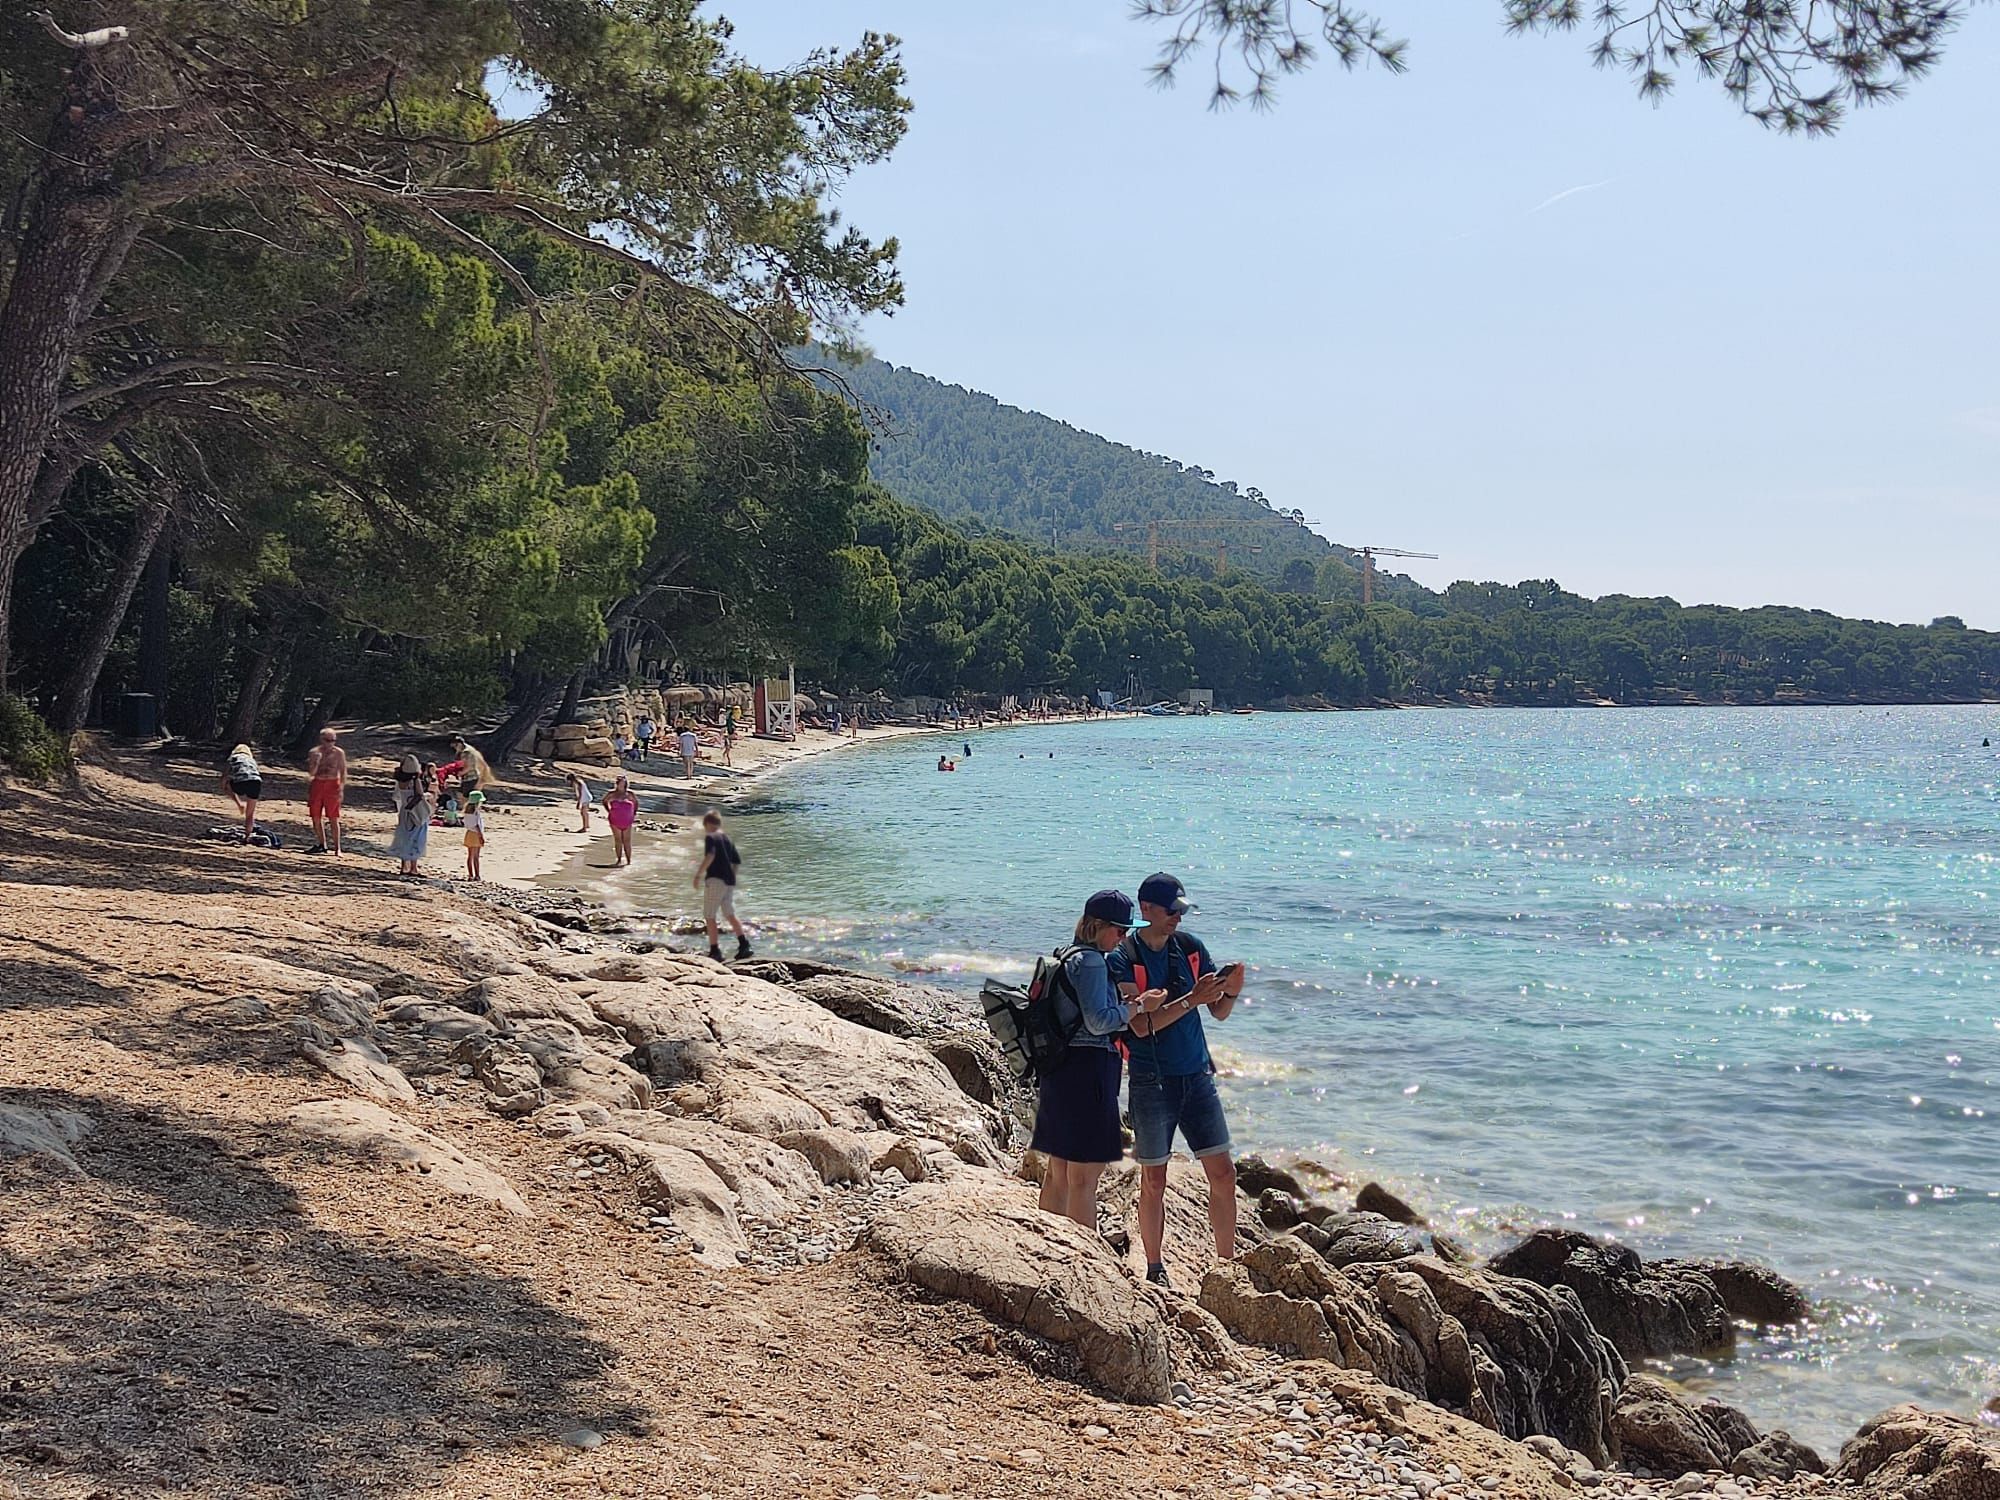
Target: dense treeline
{"points": [[993, 614]]}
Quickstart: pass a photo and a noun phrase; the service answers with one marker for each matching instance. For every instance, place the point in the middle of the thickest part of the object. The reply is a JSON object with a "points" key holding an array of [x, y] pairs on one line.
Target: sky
{"points": [[1496, 308]]}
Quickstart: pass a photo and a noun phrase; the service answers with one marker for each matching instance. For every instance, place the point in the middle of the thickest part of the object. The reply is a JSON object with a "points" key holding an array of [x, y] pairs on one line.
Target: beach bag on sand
{"points": [[1025, 1020]]}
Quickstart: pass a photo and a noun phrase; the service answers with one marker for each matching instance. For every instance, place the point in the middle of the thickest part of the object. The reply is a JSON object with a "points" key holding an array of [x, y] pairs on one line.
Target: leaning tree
{"points": [[643, 142]]}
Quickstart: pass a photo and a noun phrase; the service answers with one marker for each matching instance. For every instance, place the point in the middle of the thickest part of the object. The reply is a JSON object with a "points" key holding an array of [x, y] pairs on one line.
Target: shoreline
{"points": [[358, 1181]]}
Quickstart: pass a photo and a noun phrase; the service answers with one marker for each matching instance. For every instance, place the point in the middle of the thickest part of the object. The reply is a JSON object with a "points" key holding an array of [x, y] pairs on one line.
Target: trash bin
{"points": [[138, 716]]}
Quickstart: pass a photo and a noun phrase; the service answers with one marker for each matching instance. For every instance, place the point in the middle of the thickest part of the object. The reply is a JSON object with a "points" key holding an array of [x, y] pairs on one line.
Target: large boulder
{"points": [[1358, 1238], [980, 1239], [1752, 1293], [1648, 1311], [1778, 1455], [1512, 1356], [1256, 1176], [1908, 1453], [1376, 1199], [1660, 1431]]}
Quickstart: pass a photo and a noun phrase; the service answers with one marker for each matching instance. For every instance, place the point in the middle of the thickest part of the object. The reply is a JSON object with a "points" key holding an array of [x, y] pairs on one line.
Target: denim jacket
{"points": [[1104, 1014]]}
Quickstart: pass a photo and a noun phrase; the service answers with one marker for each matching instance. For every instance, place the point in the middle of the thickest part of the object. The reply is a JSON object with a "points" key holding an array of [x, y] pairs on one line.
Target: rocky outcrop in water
{"points": [[1514, 1357], [1650, 1309]]}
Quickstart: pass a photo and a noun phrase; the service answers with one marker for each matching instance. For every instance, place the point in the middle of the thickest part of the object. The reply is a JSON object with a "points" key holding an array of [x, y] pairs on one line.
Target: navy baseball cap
{"points": [[1114, 907], [1166, 892]]}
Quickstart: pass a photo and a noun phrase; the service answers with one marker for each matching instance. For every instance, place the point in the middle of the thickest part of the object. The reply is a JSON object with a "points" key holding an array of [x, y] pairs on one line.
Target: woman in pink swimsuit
{"points": [[621, 809]]}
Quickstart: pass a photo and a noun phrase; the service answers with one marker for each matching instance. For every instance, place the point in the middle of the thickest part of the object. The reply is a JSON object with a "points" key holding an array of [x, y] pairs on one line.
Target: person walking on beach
{"points": [[326, 764], [1173, 1077], [244, 781], [621, 811], [715, 878], [413, 816], [690, 748], [643, 733], [475, 832], [1076, 1114], [579, 791]]}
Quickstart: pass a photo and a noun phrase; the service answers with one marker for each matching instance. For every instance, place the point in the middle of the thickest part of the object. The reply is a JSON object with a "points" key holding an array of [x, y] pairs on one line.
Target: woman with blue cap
{"points": [[1076, 1118]]}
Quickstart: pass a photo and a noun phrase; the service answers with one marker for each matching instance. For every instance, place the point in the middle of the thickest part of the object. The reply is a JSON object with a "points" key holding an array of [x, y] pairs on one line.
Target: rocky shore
{"points": [[355, 1188]]}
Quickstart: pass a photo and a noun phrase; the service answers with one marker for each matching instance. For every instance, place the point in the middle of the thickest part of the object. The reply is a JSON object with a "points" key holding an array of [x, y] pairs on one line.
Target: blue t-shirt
{"points": [[1181, 1050]]}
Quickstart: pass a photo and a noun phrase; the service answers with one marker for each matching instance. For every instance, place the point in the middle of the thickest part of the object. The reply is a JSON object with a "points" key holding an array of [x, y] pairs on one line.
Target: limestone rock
{"points": [[337, 1035], [1255, 1177], [874, 1003], [570, 1064], [369, 1130], [1907, 1453], [981, 1240], [505, 1070], [1655, 1427], [1278, 1209], [1376, 1199], [1647, 1310], [1753, 1293], [1351, 1239], [27, 1131], [1776, 1456], [1444, 1438], [837, 1155], [511, 999], [445, 1023]]}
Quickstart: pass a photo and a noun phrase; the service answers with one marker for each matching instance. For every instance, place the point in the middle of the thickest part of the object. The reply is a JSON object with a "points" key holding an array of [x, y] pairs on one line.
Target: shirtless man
{"points": [[326, 763]]}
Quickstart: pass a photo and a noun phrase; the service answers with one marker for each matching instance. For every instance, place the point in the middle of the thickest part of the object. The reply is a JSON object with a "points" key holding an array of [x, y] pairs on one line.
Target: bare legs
{"points": [[1069, 1188], [1221, 1174]]}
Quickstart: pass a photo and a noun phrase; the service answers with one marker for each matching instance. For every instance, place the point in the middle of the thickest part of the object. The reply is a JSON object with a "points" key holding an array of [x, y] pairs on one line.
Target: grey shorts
{"points": [[718, 899]]}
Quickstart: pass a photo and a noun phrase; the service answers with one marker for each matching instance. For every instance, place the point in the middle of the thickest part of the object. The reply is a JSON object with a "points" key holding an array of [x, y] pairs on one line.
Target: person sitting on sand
{"points": [[1076, 1117], [475, 832], [413, 816], [621, 811], [579, 790], [326, 764], [715, 878], [690, 749], [1173, 1079], [244, 781]]}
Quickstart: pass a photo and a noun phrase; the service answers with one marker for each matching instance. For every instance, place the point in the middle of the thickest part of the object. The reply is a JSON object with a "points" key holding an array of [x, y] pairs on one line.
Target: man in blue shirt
{"points": [[1173, 1079]]}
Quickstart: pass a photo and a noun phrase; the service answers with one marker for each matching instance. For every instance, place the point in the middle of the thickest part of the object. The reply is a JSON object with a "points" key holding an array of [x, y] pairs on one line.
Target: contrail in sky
{"points": [[1584, 187]]}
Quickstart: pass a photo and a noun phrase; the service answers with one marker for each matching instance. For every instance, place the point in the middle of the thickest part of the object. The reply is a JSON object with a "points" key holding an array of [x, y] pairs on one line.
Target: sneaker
{"points": [[715, 952], [1157, 1274], [742, 949]]}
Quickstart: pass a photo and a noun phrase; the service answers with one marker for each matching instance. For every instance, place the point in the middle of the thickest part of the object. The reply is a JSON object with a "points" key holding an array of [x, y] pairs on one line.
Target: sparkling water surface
{"points": [[1709, 981]]}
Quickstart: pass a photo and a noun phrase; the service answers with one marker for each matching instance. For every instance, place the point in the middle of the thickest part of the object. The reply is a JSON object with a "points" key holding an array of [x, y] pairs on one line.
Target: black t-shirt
{"points": [[723, 858]]}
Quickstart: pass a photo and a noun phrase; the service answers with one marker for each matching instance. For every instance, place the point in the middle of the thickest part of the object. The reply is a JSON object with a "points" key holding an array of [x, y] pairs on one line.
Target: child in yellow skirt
{"points": [[475, 832]]}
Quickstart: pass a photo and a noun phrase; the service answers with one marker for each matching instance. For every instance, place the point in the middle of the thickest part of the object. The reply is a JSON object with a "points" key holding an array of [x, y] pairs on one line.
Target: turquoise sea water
{"points": [[1707, 981]]}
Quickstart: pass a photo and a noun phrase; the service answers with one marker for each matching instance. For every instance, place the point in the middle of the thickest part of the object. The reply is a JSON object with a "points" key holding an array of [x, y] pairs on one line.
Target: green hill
{"points": [[963, 455]]}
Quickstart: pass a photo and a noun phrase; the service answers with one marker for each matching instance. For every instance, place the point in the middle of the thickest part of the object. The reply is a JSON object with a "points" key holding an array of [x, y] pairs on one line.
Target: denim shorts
{"points": [[1159, 1105]]}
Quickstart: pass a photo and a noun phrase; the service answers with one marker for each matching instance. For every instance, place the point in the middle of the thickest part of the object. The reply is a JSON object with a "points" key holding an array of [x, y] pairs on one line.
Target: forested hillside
{"points": [[968, 457]]}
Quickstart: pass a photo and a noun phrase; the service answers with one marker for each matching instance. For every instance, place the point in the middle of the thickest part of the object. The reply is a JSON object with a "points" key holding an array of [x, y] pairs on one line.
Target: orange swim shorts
{"points": [[323, 799]]}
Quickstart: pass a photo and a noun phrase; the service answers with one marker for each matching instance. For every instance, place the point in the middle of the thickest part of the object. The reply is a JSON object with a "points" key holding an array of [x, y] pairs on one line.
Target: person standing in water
{"points": [[621, 811], [326, 764], [715, 878]]}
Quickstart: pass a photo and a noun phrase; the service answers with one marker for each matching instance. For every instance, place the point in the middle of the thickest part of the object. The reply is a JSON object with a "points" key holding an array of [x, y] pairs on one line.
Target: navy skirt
{"points": [[1077, 1116]]}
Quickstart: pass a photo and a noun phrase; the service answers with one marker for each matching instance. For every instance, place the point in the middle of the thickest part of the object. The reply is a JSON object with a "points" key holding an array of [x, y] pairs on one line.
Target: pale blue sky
{"points": [[1737, 368]]}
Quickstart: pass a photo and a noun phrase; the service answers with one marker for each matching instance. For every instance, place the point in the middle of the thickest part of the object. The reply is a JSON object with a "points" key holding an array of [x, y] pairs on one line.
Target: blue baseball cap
{"points": [[1166, 892], [1114, 907]]}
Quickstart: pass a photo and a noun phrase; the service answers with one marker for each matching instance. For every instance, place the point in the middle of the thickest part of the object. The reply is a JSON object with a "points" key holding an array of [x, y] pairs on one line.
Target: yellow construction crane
{"points": [[1221, 544], [1368, 556]]}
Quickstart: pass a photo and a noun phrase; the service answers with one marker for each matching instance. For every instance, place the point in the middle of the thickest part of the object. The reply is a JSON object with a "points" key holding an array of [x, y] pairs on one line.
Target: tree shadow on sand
{"points": [[177, 1316]]}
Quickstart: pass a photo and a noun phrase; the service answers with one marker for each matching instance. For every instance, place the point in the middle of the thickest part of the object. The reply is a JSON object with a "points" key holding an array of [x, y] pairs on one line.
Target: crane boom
{"points": [[1368, 556]]}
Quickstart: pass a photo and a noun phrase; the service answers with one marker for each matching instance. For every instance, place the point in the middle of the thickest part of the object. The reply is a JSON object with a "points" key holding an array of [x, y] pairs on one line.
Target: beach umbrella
{"points": [[804, 704]]}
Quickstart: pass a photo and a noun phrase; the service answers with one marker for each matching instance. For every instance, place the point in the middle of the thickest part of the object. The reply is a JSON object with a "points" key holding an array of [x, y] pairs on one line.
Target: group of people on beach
{"points": [[687, 739], [1131, 992]]}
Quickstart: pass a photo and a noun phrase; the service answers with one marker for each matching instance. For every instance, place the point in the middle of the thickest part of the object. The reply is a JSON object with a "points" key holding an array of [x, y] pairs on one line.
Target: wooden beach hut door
{"points": [[775, 714]]}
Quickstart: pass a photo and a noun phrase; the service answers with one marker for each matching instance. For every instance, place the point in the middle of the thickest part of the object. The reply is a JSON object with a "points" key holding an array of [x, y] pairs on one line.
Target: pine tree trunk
{"points": [[71, 222], [73, 705], [532, 700], [572, 695], [324, 711], [155, 625], [250, 697]]}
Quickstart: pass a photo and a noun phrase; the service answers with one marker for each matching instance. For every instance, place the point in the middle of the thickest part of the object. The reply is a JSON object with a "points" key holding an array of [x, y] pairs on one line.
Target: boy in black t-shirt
{"points": [[715, 878]]}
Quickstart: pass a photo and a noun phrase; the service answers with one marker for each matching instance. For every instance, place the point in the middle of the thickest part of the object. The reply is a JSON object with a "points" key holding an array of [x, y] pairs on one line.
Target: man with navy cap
{"points": [[1172, 1075]]}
